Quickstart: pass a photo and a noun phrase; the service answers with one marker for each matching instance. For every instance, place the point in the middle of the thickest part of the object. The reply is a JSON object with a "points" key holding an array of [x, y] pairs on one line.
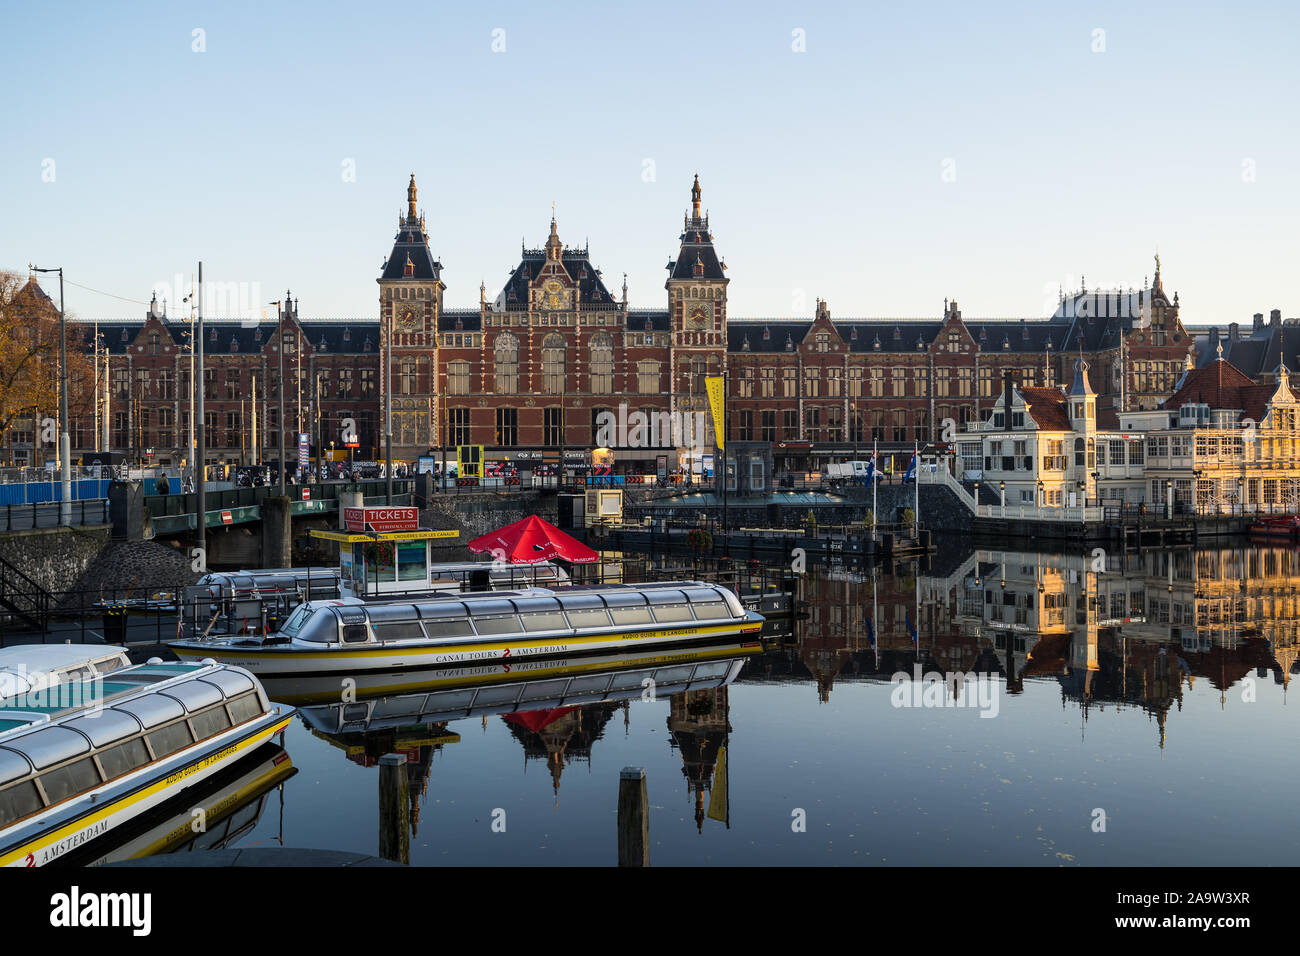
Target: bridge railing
{"points": [[47, 515]]}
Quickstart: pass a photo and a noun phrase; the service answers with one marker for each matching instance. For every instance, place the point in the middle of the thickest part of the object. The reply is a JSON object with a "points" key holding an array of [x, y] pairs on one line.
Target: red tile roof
{"points": [[1047, 407], [1222, 385]]}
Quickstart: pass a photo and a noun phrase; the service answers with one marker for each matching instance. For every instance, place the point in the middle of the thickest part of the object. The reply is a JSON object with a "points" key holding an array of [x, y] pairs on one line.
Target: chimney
{"points": [[1259, 321], [1214, 337], [1275, 318], [1234, 331]]}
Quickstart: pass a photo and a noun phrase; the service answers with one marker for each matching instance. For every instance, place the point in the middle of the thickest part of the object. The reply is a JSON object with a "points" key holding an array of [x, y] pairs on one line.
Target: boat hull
{"points": [[297, 660]]}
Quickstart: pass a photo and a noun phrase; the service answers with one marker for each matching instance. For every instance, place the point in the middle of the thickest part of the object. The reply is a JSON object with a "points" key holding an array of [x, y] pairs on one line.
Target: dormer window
{"points": [[234, 343], [212, 336], [347, 335]]}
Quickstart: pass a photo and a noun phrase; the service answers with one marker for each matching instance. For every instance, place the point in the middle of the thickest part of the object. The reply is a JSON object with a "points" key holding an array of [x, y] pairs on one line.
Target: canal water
{"points": [[982, 707]]}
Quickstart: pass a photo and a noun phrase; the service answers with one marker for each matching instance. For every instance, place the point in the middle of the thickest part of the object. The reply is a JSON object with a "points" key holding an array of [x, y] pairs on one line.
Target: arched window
{"points": [[602, 364], [507, 364], [553, 364], [1078, 453]]}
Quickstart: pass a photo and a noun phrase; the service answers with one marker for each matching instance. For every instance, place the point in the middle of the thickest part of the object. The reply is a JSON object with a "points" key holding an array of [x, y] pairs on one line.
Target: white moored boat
{"points": [[29, 669], [355, 637], [86, 757]]}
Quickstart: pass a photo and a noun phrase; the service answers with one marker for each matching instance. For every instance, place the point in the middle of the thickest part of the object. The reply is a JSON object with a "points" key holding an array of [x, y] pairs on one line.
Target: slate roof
{"points": [[460, 320], [345, 336], [648, 320], [576, 262], [1256, 352]]}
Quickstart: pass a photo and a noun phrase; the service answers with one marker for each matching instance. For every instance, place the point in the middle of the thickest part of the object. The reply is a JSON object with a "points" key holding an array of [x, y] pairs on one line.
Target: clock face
{"points": [[408, 318], [553, 294], [698, 316]]}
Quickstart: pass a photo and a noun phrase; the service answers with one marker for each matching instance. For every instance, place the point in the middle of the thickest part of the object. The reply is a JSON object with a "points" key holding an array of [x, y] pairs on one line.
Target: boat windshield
{"points": [[297, 619]]}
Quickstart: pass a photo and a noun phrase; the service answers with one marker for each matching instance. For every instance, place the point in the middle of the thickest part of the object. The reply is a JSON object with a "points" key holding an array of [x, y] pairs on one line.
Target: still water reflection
{"points": [[1119, 711]]}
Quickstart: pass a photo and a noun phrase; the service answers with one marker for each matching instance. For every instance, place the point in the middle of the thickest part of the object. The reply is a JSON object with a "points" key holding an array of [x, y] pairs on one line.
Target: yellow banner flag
{"points": [[717, 407], [718, 809]]}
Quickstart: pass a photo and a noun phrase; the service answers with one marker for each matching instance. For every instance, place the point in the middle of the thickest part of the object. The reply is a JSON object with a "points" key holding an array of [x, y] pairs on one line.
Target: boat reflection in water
{"points": [[223, 811], [555, 709]]}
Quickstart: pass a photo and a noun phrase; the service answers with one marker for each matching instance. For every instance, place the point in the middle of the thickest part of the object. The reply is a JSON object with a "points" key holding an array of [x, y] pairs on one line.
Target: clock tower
{"points": [[697, 309], [410, 301]]}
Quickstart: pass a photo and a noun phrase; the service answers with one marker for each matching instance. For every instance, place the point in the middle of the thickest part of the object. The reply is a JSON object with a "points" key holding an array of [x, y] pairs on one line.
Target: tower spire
{"points": [[410, 199], [695, 198]]}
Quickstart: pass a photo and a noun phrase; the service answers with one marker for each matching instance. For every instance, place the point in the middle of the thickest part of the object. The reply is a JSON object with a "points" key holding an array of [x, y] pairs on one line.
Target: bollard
{"points": [[633, 818], [394, 807]]}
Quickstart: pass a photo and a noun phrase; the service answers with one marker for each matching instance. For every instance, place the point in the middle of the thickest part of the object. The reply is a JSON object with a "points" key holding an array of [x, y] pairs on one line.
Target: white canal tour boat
{"points": [[28, 669], [80, 759], [350, 636]]}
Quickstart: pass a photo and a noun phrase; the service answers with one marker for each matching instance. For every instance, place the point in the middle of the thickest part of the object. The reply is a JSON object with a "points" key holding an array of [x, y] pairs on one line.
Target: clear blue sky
{"points": [[823, 170]]}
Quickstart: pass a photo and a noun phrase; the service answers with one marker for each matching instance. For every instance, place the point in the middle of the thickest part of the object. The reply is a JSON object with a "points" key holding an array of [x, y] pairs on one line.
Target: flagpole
{"points": [[916, 508], [873, 490]]}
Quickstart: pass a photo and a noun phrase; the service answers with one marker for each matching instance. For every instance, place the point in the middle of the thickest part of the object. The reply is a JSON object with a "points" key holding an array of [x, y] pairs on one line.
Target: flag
{"points": [[871, 470], [871, 634], [911, 470], [911, 630]]}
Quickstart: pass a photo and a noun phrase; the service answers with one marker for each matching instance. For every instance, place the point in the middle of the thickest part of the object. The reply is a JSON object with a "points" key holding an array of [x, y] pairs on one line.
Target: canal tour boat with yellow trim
{"points": [[31, 668], [81, 759], [354, 637], [235, 602]]}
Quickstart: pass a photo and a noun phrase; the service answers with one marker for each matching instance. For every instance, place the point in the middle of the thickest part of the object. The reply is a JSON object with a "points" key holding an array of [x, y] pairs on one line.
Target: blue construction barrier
{"points": [[36, 492]]}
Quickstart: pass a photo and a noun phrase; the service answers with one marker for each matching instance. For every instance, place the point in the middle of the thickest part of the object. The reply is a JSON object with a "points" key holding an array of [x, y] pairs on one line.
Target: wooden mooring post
{"points": [[394, 809], [633, 818]]}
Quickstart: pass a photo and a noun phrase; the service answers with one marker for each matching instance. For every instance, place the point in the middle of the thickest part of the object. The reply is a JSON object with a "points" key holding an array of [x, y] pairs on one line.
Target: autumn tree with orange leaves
{"points": [[29, 359]]}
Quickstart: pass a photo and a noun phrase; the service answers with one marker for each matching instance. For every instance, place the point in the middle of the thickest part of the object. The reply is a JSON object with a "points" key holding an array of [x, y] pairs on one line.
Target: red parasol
{"points": [[532, 541]]}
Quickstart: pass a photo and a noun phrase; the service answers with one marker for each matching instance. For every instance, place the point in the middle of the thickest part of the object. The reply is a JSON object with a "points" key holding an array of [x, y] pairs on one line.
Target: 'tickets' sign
{"points": [[381, 519]]}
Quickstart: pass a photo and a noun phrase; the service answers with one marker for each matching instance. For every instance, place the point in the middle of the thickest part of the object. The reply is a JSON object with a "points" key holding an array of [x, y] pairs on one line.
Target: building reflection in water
{"points": [[1136, 630]]}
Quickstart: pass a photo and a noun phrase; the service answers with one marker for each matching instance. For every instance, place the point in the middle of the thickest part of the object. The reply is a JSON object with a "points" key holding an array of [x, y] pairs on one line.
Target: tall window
{"points": [[406, 377], [647, 377], [507, 426], [367, 383], [834, 382], [345, 383], [458, 426], [790, 382], [767, 382], [812, 382], [552, 436], [745, 388], [898, 380], [769, 426], [458, 379], [899, 425], [553, 364], [506, 354], [232, 384], [602, 364], [877, 381], [165, 384], [855, 381]]}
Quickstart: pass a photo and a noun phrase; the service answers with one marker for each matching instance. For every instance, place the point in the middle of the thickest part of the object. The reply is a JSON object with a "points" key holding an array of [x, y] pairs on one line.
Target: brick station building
{"points": [[528, 372]]}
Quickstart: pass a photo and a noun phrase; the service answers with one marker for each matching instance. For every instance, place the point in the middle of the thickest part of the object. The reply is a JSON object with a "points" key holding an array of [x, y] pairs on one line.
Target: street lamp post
{"points": [[65, 443]]}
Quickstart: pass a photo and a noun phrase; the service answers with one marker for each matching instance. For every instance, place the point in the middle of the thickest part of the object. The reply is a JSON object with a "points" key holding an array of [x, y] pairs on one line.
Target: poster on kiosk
{"points": [[392, 557]]}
